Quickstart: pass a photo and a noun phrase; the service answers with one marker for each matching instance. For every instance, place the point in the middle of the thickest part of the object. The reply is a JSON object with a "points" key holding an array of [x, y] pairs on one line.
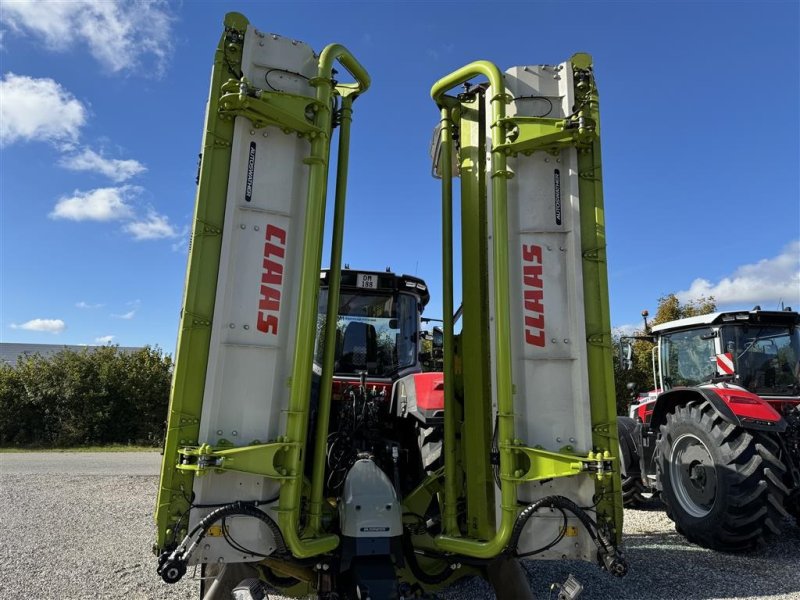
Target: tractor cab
{"points": [[764, 355], [757, 350], [378, 324]]}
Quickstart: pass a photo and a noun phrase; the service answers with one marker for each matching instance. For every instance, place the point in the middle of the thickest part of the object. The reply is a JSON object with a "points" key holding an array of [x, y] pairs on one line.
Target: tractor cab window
{"points": [[688, 357], [765, 357], [375, 333]]}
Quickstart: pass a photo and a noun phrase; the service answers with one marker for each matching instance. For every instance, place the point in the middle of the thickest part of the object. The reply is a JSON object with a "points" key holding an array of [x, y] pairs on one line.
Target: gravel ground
{"points": [[80, 526]]}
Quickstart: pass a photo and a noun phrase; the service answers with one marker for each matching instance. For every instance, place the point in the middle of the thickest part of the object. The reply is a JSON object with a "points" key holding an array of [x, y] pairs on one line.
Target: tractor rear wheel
{"points": [[722, 485]]}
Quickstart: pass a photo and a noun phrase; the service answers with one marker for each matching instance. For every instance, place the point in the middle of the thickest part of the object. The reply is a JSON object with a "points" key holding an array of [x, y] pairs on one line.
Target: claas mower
{"points": [[306, 451]]}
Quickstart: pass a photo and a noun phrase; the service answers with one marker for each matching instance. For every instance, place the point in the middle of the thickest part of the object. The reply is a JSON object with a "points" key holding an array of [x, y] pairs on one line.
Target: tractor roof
{"points": [[777, 317], [384, 281], [687, 322]]}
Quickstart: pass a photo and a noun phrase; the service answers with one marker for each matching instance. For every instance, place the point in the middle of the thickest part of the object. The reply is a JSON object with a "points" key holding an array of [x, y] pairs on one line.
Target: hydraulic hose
{"points": [[172, 565], [237, 508], [608, 556]]}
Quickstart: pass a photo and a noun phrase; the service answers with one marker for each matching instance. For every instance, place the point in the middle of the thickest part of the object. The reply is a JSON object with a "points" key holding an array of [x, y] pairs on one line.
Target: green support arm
{"points": [[297, 414], [194, 336], [450, 540]]}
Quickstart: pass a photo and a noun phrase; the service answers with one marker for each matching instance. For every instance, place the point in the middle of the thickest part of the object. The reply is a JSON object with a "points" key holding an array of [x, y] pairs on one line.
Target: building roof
{"points": [[9, 353]]}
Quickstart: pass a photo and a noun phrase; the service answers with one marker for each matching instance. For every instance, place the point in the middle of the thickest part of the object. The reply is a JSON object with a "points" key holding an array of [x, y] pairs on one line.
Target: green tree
{"points": [[641, 372]]}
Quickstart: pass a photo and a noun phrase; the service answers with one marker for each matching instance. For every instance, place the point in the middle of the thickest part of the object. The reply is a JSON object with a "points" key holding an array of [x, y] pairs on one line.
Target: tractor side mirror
{"points": [[626, 355], [633, 389], [438, 338]]}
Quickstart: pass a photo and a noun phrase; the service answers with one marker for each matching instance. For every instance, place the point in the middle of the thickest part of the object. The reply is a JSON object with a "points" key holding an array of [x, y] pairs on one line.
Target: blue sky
{"points": [[101, 117]]}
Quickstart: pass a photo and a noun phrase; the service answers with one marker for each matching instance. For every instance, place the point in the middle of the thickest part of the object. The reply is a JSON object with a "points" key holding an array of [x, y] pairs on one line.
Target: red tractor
{"points": [[383, 402], [719, 439]]}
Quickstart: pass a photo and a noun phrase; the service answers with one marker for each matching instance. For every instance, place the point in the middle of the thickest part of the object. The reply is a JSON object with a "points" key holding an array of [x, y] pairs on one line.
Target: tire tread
{"points": [[750, 481]]}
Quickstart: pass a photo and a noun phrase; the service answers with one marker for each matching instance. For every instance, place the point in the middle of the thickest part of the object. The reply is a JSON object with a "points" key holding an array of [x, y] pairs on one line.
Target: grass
{"points": [[109, 448]]}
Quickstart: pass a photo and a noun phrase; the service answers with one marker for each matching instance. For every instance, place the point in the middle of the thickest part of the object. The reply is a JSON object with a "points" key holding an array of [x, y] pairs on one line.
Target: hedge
{"points": [[94, 396]]}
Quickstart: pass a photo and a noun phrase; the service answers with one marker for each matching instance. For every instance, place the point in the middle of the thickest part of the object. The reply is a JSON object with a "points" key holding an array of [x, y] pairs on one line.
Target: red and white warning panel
{"points": [[255, 316], [725, 364]]}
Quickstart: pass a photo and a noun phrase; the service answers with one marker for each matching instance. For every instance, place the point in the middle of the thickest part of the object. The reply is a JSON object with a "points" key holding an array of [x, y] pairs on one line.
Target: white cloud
{"points": [[182, 245], [155, 227], [120, 34], [766, 282], [104, 339], [115, 169], [47, 325], [131, 313], [83, 304], [38, 109], [625, 330], [101, 204]]}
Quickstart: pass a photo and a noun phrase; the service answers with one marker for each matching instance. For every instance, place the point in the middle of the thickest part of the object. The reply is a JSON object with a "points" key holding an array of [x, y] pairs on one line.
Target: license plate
{"points": [[367, 281]]}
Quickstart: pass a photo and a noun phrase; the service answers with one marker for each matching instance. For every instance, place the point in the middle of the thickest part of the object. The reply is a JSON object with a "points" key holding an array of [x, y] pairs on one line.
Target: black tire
{"points": [[793, 508], [629, 432], [430, 447], [721, 484], [509, 579], [633, 491]]}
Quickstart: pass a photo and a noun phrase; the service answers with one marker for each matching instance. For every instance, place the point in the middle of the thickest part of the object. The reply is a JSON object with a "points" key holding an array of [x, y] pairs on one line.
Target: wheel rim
{"points": [[692, 474]]}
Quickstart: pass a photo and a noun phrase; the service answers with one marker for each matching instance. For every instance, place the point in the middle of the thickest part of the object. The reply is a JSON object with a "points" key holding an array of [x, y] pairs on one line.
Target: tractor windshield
{"points": [[687, 357], [375, 332], [765, 357]]}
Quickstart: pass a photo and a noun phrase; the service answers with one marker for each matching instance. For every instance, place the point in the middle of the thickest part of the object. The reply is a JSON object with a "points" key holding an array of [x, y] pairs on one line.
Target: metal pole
{"points": [[331, 316], [502, 357], [450, 513], [297, 413]]}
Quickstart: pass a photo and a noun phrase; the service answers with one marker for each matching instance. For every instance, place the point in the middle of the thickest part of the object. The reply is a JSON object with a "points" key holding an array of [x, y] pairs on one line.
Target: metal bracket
{"points": [[183, 420], [290, 112], [594, 254], [529, 134], [599, 339], [258, 459], [588, 175], [197, 320], [601, 464], [605, 428], [204, 228], [543, 464]]}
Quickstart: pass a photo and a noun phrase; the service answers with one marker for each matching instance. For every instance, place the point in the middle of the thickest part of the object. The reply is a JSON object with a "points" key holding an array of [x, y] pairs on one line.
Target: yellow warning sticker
{"points": [[572, 531], [214, 531]]}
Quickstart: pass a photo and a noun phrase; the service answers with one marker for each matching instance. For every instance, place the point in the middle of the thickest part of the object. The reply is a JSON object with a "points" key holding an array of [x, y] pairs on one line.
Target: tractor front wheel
{"points": [[630, 435], [722, 485], [633, 491]]}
